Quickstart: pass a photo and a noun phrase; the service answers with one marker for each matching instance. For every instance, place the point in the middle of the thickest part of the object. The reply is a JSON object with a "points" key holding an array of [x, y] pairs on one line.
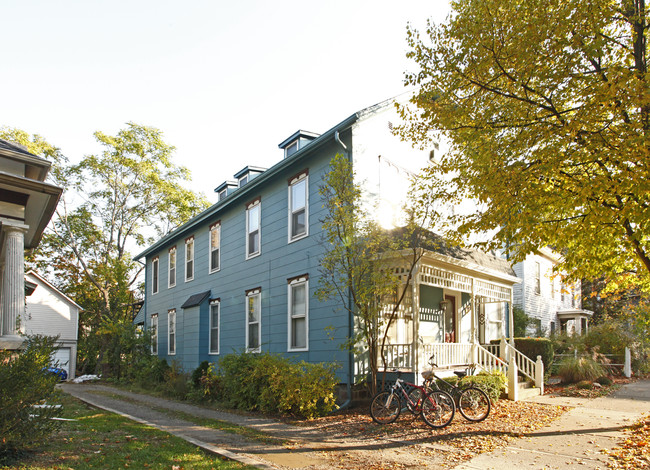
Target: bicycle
{"points": [[436, 407], [472, 402]]}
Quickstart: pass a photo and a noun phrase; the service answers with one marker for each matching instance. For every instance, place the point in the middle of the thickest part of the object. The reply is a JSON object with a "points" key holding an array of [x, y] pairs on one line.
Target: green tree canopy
{"points": [[546, 106], [113, 203]]}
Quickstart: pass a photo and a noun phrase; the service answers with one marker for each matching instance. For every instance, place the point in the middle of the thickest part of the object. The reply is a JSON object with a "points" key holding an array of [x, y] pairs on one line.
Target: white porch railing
{"points": [[489, 361], [446, 354], [398, 356], [501, 357], [525, 365]]}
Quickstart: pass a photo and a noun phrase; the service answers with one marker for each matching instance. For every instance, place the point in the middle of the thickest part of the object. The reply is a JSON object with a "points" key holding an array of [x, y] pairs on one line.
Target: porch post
{"points": [[12, 303], [473, 339], [511, 320], [473, 315]]}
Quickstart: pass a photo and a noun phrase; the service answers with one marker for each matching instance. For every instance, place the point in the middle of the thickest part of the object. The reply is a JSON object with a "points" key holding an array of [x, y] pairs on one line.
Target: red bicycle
{"points": [[437, 407]]}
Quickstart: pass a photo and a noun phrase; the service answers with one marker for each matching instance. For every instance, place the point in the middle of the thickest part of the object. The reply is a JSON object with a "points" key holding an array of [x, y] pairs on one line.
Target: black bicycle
{"points": [[436, 407], [472, 402]]}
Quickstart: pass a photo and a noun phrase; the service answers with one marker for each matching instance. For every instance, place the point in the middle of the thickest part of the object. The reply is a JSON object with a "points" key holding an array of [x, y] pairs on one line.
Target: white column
{"points": [[12, 302]]}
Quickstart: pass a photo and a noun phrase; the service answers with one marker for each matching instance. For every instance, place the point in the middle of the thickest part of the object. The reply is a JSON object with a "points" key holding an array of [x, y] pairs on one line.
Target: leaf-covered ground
{"points": [[596, 391], [633, 452], [456, 443]]}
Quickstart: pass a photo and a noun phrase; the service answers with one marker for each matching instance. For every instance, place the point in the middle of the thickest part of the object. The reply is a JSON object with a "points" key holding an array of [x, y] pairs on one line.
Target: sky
{"points": [[225, 82]]}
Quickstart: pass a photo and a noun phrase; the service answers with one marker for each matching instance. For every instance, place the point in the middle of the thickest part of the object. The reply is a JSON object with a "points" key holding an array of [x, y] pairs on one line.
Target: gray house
{"points": [[241, 276]]}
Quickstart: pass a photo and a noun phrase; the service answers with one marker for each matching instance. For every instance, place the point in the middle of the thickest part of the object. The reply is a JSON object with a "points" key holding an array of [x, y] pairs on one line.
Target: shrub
{"points": [[533, 347], [604, 380], [211, 384], [199, 372], [585, 385], [272, 383], [150, 372], [493, 383], [177, 382], [575, 369], [23, 383], [611, 337]]}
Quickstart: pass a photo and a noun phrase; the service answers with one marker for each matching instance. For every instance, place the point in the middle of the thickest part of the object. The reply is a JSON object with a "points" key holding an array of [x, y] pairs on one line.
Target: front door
{"points": [[450, 319]]}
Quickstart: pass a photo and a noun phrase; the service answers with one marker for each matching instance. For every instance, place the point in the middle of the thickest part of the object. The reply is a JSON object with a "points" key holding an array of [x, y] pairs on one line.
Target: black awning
{"points": [[196, 299]]}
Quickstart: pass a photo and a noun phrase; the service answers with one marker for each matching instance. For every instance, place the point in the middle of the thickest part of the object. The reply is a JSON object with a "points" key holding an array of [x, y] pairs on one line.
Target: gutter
{"points": [[348, 402], [250, 187]]}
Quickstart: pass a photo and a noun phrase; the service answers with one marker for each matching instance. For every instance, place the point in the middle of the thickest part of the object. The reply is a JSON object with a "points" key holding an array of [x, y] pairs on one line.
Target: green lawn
{"points": [[98, 439]]}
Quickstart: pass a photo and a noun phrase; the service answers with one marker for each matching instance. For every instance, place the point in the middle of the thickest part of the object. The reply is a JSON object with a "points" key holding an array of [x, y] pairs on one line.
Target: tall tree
{"points": [[361, 262], [113, 203], [546, 105]]}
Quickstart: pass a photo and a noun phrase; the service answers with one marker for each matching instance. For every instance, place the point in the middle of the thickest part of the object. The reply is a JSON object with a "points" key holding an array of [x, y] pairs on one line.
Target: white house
{"points": [[50, 312], [27, 203], [544, 296]]}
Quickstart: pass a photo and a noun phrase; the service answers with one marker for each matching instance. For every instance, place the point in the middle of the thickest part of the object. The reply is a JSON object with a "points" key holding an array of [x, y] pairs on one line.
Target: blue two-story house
{"points": [[241, 275]]}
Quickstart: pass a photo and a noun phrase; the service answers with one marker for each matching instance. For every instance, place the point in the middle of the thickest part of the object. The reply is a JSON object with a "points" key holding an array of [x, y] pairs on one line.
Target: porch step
{"points": [[528, 390]]}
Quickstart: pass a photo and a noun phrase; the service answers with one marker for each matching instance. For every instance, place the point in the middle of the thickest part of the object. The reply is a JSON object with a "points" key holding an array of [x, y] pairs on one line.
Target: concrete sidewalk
{"points": [[575, 440]]}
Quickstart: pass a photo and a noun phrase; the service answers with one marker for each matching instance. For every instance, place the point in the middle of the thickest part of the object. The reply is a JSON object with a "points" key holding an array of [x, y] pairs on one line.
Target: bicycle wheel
{"points": [[474, 404], [415, 403], [385, 407], [438, 409]]}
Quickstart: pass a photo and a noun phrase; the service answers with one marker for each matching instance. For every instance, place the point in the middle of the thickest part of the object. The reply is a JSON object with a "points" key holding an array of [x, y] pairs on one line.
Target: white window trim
{"points": [[188, 242], [155, 275], [214, 303], [169, 267], [292, 283], [154, 316], [171, 313], [303, 176], [216, 227], [252, 205], [286, 149], [255, 292]]}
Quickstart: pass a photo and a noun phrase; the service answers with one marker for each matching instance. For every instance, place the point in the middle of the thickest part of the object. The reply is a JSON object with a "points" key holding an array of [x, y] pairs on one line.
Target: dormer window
{"points": [[291, 149], [247, 174], [225, 188], [296, 142]]}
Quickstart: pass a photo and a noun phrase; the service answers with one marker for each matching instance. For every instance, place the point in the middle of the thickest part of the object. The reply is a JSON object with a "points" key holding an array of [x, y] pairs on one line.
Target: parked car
{"points": [[61, 373]]}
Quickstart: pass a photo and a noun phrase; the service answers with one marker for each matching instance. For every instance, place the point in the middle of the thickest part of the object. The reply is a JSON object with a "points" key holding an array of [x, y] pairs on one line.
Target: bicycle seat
{"points": [[460, 373]]}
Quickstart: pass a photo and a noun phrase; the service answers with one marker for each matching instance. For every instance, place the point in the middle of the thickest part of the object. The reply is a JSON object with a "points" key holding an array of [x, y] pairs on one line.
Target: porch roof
{"points": [[444, 271], [572, 313]]}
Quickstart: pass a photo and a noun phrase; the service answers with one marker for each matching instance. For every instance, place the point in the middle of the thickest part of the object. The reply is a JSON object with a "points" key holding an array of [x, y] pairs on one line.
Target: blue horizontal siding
{"points": [[279, 261]]}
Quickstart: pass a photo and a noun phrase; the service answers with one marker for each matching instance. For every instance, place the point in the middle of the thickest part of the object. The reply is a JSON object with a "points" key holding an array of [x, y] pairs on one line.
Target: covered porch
{"points": [[454, 308]]}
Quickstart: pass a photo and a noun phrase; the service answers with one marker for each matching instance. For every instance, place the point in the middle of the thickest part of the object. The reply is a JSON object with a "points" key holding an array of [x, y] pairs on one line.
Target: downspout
{"points": [[348, 402]]}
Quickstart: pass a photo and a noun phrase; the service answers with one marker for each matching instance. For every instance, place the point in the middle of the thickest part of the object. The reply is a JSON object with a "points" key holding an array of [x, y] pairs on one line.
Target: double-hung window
{"points": [[171, 280], [298, 206], [298, 301], [253, 229], [253, 319], [215, 247], [214, 326], [153, 329], [155, 265], [538, 278], [189, 259], [171, 331]]}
